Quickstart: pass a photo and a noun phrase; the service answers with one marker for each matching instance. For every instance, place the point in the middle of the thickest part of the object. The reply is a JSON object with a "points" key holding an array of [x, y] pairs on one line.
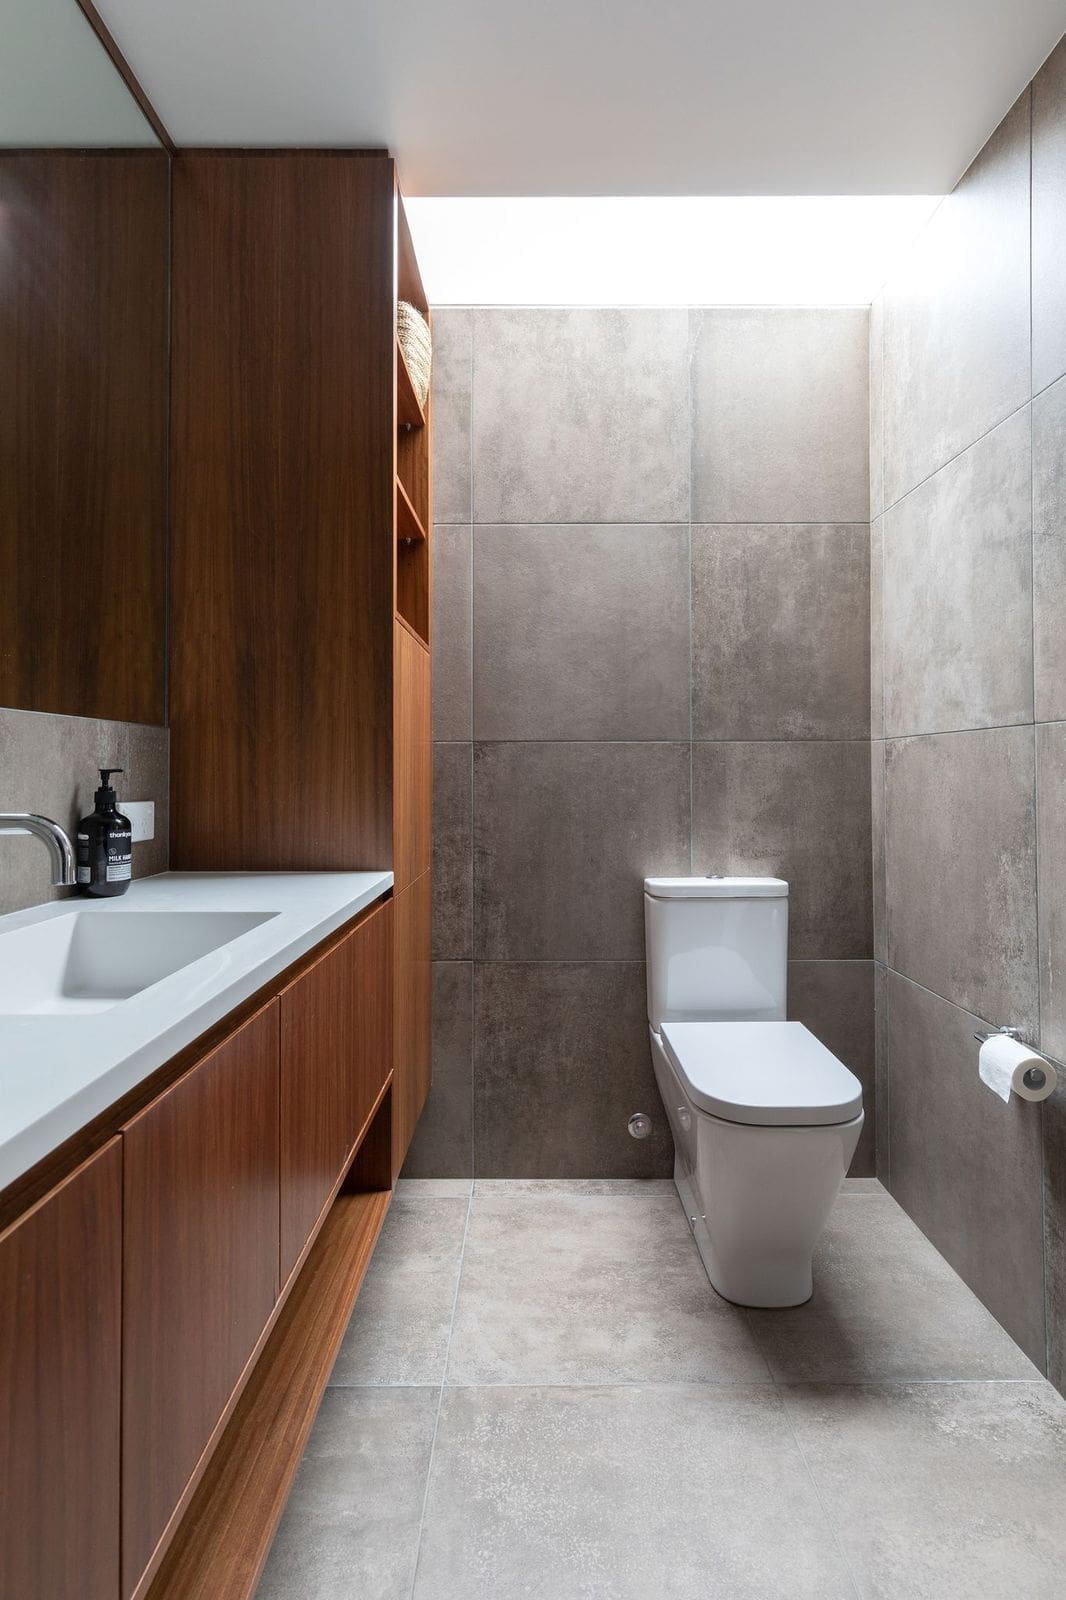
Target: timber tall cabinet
{"points": [[299, 677]]}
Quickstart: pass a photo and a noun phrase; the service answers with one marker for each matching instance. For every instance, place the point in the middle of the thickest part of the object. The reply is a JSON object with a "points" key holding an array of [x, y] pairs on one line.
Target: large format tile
{"points": [[561, 1062], [611, 444], [1055, 1234], [48, 764], [961, 868], [877, 629], [581, 632], [442, 1146], [941, 1491], [780, 631], [780, 415], [564, 835], [148, 778], [886, 1305], [883, 1086], [452, 633], [956, 339], [352, 1522], [958, 591], [797, 810], [965, 1166], [1051, 884], [1049, 220], [877, 416], [585, 1288], [399, 1329], [1049, 552], [835, 1000], [583, 1494], [453, 862], [877, 829], [452, 359]]}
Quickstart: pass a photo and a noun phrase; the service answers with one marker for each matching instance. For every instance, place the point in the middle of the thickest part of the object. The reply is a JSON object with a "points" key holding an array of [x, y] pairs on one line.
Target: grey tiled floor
{"points": [[540, 1397]]}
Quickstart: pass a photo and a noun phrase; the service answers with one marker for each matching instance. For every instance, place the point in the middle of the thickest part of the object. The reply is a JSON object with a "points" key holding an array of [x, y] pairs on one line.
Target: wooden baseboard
{"points": [[222, 1544]]}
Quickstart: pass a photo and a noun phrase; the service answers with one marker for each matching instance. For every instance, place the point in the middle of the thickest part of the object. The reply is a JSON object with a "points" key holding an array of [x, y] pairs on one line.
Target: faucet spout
{"points": [[56, 838]]}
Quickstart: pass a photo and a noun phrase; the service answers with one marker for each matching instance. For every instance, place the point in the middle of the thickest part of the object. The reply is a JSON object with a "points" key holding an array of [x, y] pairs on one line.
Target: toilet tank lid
{"points": [[716, 888]]}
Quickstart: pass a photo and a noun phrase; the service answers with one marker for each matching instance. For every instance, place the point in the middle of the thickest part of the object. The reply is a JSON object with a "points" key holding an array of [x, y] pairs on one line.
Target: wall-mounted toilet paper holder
{"points": [[1035, 1077]]}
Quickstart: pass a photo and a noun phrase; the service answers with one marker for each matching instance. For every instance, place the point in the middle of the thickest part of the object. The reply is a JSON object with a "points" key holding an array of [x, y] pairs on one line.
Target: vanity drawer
{"points": [[336, 1052]]}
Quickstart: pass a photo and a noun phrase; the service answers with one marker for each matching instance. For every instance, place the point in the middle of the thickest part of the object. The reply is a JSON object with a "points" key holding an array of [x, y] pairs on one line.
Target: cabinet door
{"points": [[412, 1064], [200, 1268], [336, 1050], [60, 1299]]}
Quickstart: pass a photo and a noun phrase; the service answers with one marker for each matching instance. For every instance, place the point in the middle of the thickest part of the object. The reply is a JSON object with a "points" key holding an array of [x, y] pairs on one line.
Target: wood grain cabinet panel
{"points": [[336, 1052], [200, 1268], [413, 910], [60, 1299], [412, 760]]}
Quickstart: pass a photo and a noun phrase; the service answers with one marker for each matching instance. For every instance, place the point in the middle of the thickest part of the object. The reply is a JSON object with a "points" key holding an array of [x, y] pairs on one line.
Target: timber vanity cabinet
{"points": [[176, 1278]]}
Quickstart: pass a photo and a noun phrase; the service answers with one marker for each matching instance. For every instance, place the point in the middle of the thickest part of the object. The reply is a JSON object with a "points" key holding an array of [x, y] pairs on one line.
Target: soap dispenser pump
{"points": [[105, 843]]}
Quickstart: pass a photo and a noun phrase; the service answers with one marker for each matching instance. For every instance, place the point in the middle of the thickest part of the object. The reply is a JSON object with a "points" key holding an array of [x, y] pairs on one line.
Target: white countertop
{"points": [[59, 1072]]}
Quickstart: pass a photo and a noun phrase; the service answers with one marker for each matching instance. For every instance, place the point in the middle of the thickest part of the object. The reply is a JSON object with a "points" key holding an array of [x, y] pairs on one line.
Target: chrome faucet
{"points": [[56, 838]]}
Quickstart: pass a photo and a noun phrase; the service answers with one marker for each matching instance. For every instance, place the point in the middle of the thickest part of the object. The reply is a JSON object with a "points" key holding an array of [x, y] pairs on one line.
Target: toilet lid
{"points": [[769, 1074]]}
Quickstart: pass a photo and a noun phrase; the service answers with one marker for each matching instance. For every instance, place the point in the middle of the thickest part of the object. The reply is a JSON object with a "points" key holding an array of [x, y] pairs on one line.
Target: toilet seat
{"points": [[762, 1074]]}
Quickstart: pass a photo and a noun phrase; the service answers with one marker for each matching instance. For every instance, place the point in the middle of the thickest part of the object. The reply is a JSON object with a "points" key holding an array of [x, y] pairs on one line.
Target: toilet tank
{"points": [[716, 949]]}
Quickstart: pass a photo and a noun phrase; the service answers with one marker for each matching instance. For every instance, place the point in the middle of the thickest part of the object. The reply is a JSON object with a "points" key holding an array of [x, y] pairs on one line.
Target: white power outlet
{"points": [[142, 818]]}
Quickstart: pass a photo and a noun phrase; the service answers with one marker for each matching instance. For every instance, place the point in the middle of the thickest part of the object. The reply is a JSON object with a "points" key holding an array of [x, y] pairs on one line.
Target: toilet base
{"points": [[757, 1197]]}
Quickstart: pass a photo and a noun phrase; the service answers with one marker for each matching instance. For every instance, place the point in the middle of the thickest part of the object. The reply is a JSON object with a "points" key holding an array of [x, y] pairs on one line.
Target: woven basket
{"points": [[416, 342]]}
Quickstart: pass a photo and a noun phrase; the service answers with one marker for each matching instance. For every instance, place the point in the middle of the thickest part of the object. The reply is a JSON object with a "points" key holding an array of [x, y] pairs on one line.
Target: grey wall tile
{"points": [[148, 778], [564, 835], [958, 591], [877, 416], [453, 862], [580, 416], [960, 850], [48, 764], [452, 632], [1049, 220], [882, 1137], [363, 1501], [956, 340], [581, 632], [1051, 884], [800, 811], [964, 1165], [835, 1000], [561, 1062], [442, 1146], [877, 629], [1054, 1113], [1049, 552], [780, 415], [452, 356], [780, 631], [879, 906]]}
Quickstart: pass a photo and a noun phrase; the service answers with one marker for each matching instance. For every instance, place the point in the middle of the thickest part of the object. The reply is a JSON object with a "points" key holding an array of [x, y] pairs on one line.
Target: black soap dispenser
{"points": [[105, 844]]}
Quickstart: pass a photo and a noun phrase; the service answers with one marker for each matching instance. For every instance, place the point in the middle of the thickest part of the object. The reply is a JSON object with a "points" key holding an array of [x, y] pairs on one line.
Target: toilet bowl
{"points": [[765, 1119]]}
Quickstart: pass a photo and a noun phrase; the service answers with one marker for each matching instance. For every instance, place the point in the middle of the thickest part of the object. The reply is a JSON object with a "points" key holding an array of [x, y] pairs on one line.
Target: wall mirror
{"points": [[84, 246]]}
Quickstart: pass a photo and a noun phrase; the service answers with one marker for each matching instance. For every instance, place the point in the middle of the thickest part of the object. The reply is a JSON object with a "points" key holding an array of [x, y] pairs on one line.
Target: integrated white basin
{"points": [[85, 961]]}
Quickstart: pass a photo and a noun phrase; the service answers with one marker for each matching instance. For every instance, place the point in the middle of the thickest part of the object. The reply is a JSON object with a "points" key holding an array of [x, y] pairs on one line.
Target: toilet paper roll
{"points": [[1003, 1064]]}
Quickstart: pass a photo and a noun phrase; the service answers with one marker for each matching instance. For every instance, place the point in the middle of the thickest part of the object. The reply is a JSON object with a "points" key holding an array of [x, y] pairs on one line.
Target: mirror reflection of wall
{"points": [[84, 241]]}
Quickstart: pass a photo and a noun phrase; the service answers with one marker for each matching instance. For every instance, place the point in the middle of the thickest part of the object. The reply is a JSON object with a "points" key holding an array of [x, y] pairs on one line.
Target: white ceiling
{"points": [[601, 97]]}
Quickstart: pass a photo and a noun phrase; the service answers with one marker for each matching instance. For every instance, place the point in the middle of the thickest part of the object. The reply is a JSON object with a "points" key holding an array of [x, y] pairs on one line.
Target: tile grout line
{"points": [[440, 1396]]}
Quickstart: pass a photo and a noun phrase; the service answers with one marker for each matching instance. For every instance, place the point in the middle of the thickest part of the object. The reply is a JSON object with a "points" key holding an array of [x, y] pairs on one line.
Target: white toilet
{"points": [[765, 1119]]}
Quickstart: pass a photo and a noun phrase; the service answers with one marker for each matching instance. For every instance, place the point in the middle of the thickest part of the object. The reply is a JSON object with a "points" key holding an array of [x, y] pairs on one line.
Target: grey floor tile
{"points": [[399, 1329], [617, 1188], [942, 1491], [886, 1305], [666, 1493], [352, 1522], [562, 1288], [434, 1188]]}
